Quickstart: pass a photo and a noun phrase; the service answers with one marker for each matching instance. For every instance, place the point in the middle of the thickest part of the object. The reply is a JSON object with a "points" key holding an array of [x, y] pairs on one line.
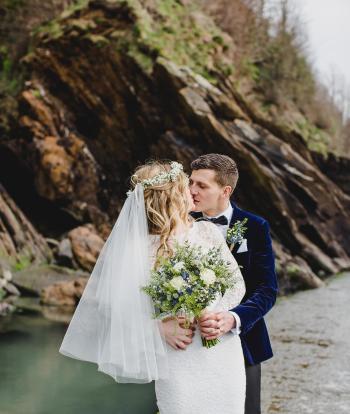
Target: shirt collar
{"points": [[227, 213]]}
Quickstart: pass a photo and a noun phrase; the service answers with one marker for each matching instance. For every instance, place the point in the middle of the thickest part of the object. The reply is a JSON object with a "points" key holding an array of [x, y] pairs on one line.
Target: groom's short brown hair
{"points": [[224, 166]]}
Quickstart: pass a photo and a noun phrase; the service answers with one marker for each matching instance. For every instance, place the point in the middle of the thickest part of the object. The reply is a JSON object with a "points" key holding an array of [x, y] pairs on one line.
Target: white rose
{"points": [[197, 262], [179, 266], [177, 282], [208, 276]]}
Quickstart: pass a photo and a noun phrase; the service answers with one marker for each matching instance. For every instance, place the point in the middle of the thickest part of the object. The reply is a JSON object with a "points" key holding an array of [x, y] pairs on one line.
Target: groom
{"points": [[212, 182]]}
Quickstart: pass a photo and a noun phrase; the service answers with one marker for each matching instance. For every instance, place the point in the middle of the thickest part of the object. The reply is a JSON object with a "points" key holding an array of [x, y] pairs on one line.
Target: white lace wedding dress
{"points": [[206, 381]]}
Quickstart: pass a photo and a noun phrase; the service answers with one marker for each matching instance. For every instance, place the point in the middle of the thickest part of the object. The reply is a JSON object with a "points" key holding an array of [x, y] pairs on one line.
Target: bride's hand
{"points": [[174, 334], [184, 324]]}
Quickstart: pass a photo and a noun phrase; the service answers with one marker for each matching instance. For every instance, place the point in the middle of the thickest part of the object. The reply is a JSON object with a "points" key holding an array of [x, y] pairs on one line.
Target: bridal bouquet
{"points": [[188, 282]]}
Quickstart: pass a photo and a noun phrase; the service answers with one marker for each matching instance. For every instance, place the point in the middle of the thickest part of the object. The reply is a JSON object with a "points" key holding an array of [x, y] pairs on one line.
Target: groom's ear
{"points": [[227, 191]]}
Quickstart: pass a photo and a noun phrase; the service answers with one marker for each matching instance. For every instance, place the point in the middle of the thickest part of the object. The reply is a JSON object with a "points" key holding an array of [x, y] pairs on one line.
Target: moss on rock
{"points": [[163, 28]]}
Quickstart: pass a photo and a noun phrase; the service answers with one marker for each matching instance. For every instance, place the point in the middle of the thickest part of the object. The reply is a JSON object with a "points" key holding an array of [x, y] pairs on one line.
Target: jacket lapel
{"points": [[237, 214]]}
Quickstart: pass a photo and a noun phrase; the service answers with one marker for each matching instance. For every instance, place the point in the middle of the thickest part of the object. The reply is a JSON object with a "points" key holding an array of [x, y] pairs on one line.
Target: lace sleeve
{"points": [[233, 296]]}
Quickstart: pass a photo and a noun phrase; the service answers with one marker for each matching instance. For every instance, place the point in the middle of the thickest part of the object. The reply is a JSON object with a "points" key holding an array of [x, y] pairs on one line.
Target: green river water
{"points": [[36, 379]]}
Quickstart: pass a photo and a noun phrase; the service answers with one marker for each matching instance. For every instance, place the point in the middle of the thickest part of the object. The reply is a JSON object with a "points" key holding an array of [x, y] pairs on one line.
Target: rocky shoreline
{"points": [[310, 370]]}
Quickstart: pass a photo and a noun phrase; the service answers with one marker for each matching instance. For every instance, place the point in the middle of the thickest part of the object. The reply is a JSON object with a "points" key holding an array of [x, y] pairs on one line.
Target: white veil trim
{"points": [[113, 324]]}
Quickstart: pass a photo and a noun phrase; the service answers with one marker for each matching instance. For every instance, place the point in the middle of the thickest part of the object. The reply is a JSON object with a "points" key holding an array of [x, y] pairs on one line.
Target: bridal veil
{"points": [[113, 324]]}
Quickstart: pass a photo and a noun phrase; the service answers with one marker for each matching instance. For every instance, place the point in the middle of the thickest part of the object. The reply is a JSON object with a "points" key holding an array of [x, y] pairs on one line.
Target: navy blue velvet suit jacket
{"points": [[258, 270]]}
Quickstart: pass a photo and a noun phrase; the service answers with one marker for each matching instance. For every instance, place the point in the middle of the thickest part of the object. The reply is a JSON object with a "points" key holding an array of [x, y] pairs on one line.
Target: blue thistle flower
{"points": [[185, 275]]}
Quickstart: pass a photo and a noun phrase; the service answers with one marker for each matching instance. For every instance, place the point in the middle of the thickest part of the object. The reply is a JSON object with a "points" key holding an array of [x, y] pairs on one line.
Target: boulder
{"points": [[86, 245], [63, 293], [34, 279]]}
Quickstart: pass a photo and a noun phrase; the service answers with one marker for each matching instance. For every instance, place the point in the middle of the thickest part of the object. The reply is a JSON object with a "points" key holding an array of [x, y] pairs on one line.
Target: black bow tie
{"points": [[216, 220]]}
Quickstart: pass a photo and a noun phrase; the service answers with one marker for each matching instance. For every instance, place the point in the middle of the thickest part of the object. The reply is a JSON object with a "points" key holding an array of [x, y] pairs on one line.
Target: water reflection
{"points": [[36, 379]]}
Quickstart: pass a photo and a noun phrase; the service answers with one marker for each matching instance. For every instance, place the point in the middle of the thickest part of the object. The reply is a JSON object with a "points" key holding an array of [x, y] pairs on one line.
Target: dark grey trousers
{"points": [[253, 388]]}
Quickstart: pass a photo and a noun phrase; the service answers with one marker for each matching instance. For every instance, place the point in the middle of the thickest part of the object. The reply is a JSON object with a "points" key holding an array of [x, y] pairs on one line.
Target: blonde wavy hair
{"points": [[166, 204]]}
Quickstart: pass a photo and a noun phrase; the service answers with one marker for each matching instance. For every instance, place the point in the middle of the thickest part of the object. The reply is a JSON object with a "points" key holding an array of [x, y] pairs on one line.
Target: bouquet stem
{"points": [[187, 319], [210, 343]]}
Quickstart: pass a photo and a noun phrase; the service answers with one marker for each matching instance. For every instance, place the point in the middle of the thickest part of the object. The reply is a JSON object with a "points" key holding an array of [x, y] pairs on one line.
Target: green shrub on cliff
{"points": [[272, 64], [9, 83]]}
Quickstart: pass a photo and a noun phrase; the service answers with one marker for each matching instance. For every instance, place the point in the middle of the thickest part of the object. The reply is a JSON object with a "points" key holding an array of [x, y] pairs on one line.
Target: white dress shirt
{"points": [[223, 228]]}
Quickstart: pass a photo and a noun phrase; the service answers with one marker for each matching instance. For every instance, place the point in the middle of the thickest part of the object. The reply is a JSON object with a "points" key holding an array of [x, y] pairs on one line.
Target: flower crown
{"points": [[162, 178]]}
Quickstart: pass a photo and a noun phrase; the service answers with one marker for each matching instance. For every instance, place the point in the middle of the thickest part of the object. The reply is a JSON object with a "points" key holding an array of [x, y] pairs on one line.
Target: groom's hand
{"points": [[174, 334], [216, 324]]}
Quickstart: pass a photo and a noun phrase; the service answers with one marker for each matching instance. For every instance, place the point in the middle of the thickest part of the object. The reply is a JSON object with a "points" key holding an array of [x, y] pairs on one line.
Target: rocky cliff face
{"points": [[18, 238], [112, 83]]}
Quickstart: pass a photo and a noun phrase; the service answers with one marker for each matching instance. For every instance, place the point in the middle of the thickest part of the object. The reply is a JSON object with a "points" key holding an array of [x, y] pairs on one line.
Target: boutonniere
{"points": [[235, 234]]}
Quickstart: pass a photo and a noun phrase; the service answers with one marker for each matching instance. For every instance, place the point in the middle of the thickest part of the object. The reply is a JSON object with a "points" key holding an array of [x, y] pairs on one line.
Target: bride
{"points": [[113, 324]]}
